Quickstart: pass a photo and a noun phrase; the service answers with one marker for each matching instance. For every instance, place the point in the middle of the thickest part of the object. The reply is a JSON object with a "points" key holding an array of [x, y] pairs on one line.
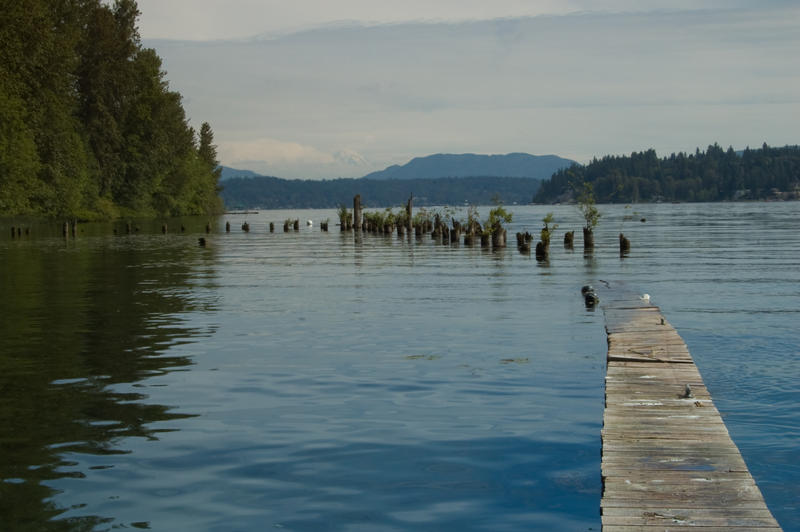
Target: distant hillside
{"points": [[275, 193], [228, 172], [712, 175], [473, 165]]}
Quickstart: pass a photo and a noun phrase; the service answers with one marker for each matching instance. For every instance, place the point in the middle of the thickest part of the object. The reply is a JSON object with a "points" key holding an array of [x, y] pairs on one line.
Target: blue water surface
{"points": [[316, 381]]}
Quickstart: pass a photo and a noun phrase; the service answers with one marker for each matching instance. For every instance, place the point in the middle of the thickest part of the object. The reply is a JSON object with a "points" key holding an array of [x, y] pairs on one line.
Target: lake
{"points": [[308, 381]]}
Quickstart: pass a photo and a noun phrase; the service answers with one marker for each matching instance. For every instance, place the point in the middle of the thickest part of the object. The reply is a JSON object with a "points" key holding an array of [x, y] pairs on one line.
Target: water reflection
{"points": [[78, 321]]}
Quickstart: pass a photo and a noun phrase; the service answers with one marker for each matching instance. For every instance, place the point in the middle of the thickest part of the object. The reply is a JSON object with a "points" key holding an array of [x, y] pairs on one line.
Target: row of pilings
{"points": [[542, 250], [472, 232], [70, 229], [405, 223], [288, 225], [67, 229], [16, 232], [492, 234]]}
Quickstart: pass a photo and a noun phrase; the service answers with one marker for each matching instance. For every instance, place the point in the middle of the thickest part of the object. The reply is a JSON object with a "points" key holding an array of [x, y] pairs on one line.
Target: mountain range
{"points": [[439, 179], [474, 165], [458, 165]]}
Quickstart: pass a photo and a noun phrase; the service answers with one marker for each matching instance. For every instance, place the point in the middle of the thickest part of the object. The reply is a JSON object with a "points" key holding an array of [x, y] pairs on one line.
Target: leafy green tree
{"points": [[207, 150], [19, 160], [547, 230], [498, 215], [587, 206], [88, 125]]}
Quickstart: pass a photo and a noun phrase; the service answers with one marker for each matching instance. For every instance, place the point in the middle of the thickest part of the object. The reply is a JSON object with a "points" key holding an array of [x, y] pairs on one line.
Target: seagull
{"points": [[646, 297], [309, 223]]}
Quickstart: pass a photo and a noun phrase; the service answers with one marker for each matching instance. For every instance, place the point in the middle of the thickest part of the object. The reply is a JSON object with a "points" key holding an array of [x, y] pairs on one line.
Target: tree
{"points": [[547, 230], [712, 175], [591, 216], [207, 150], [586, 204], [88, 125]]}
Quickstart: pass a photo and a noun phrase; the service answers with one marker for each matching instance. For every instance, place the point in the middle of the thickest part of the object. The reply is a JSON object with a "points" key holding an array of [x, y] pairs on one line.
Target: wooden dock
{"points": [[668, 461]]}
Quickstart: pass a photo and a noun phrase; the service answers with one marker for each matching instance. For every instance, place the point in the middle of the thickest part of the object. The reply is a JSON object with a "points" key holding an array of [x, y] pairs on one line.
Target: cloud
{"points": [[292, 159], [207, 20], [350, 158], [343, 101], [273, 151]]}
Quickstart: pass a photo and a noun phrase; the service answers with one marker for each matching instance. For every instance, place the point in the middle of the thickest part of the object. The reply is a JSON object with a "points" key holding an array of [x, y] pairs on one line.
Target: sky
{"points": [[323, 89]]}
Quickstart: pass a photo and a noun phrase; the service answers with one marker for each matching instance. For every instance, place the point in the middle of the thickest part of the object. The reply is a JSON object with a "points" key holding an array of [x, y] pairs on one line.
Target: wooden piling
{"points": [[13, 232], [668, 462], [164, 229], [524, 241], [445, 234], [409, 215], [357, 212], [272, 227], [65, 230], [569, 237], [624, 244], [227, 227], [208, 227], [541, 251], [455, 234], [588, 239], [499, 238]]}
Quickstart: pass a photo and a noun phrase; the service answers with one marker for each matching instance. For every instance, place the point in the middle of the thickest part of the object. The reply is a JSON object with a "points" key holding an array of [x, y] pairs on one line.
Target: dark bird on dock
{"points": [[687, 392], [202, 242]]}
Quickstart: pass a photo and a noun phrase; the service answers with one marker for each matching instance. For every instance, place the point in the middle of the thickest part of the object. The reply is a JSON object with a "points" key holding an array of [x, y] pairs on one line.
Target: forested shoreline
{"points": [[89, 128], [711, 175]]}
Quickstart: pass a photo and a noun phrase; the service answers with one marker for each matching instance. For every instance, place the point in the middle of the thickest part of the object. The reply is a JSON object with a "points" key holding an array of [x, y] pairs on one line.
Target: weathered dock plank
{"points": [[668, 461]]}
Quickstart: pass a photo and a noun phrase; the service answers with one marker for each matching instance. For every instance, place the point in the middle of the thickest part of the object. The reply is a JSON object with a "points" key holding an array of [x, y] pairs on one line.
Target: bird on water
{"points": [[590, 297]]}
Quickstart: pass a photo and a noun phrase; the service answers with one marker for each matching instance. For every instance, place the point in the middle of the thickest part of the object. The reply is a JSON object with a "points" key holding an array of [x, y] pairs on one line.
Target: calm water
{"points": [[305, 381]]}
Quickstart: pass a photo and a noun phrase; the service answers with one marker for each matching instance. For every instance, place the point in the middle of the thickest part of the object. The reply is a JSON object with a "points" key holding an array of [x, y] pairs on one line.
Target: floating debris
{"points": [[422, 357]]}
